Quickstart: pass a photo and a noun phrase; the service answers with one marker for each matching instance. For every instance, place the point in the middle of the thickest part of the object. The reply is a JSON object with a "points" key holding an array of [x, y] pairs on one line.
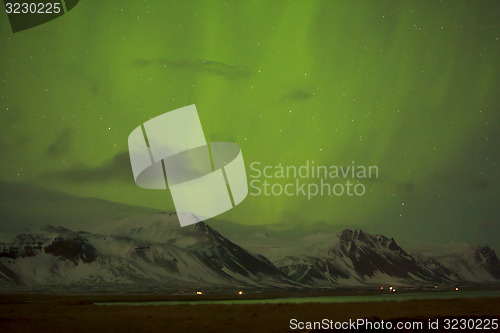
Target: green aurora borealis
{"points": [[409, 86]]}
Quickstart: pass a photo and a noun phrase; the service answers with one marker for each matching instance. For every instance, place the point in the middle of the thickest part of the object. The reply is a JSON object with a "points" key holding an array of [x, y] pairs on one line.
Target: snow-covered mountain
{"points": [[156, 254], [475, 263], [360, 259], [153, 253]]}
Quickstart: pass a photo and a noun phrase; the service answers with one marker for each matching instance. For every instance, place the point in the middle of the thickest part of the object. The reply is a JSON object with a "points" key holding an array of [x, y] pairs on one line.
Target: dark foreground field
{"points": [[77, 313]]}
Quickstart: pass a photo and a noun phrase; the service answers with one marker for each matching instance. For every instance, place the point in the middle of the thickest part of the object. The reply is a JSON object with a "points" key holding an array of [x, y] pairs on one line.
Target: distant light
{"points": [[382, 288], [436, 287], [393, 290], [456, 289], [199, 293], [240, 292], [390, 288]]}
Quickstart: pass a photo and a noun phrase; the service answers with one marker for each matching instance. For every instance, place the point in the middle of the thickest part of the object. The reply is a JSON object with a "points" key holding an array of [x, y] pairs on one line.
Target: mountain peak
{"points": [[202, 227], [348, 236], [207, 233], [485, 250]]}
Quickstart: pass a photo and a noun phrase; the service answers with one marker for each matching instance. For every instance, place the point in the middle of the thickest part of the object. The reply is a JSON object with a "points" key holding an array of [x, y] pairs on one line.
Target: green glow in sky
{"points": [[412, 87]]}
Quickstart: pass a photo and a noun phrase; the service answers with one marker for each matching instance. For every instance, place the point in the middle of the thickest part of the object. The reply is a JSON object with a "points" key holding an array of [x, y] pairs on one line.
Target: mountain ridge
{"points": [[155, 252]]}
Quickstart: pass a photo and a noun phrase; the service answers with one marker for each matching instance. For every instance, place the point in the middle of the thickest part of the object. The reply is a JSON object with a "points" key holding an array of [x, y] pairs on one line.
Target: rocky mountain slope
{"points": [[154, 253]]}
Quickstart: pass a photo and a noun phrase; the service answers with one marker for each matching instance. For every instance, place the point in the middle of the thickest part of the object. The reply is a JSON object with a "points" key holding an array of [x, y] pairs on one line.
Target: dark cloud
{"points": [[489, 224], [116, 169], [141, 62], [218, 68], [405, 187], [61, 145], [462, 180], [479, 184], [297, 94], [86, 80], [56, 208]]}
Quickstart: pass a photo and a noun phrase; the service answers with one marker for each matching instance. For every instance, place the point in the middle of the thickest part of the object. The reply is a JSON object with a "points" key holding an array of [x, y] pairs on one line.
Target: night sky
{"points": [[412, 87]]}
